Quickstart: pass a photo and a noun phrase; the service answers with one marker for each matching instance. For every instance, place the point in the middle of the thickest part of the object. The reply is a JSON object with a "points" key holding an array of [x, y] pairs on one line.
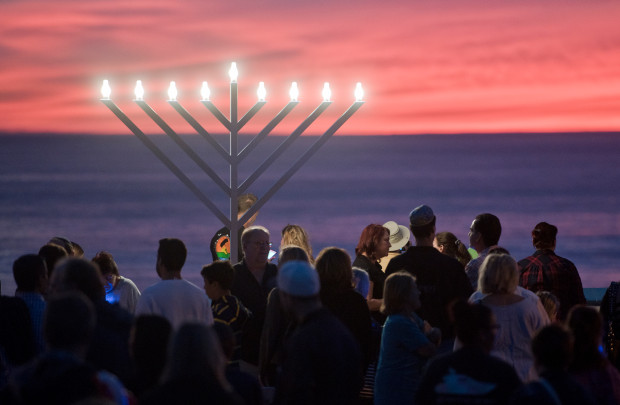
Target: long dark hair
{"points": [[453, 247], [334, 267]]}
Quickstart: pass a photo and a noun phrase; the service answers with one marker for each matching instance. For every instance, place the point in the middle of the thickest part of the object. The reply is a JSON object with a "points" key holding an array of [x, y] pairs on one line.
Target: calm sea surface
{"points": [[110, 193]]}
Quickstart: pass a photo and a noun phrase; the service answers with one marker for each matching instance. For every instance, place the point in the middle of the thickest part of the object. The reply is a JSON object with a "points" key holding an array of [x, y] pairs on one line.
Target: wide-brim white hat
{"points": [[399, 235]]}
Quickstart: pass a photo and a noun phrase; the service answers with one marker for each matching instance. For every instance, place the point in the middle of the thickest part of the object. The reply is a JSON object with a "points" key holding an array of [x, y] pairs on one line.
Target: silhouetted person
{"points": [[484, 233], [109, 349], [470, 374], [17, 344], [440, 278], [148, 345], [30, 276], [552, 347], [322, 361], [52, 254], [244, 384], [589, 366], [61, 376], [278, 324], [195, 373], [546, 271]]}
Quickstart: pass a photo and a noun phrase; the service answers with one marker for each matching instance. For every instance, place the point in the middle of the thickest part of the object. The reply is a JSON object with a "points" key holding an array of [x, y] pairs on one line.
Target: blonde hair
{"points": [[498, 274], [550, 303], [397, 292], [295, 235]]}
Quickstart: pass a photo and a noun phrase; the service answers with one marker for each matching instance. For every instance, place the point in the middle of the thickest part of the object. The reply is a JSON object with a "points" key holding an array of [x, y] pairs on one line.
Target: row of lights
{"points": [[205, 92]]}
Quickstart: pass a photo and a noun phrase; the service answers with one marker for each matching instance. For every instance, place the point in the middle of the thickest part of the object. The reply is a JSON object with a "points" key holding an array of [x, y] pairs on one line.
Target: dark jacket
{"points": [[441, 281], [254, 297], [322, 364]]}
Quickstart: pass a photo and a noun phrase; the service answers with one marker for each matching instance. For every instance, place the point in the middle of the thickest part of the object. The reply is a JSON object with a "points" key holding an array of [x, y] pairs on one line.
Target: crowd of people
{"points": [[415, 318]]}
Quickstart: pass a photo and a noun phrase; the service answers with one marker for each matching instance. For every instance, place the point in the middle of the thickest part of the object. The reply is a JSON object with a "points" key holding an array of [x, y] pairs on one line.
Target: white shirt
{"points": [[527, 294], [125, 294], [179, 301]]}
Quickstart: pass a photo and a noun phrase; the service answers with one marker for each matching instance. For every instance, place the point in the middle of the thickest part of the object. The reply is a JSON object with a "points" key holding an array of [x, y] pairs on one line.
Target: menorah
{"points": [[233, 156]]}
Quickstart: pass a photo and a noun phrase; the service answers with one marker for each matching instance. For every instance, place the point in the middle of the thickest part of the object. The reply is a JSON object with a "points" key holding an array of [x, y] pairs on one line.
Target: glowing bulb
{"points": [[172, 92], [359, 92], [327, 93], [205, 91], [294, 92], [233, 73], [139, 91], [261, 92], [106, 90]]}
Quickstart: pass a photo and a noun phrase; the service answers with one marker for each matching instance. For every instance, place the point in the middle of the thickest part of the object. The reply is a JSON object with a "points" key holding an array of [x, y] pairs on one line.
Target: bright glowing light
{"points": [[294, 92], [106, 90], [233, 73], [327, 93], [359, 92], [172, 92], [139, 91], [261, 92], [205, 91]]}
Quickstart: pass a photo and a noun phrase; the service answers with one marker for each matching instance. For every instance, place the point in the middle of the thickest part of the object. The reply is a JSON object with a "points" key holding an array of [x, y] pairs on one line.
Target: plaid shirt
{"points": [[546, 271]]}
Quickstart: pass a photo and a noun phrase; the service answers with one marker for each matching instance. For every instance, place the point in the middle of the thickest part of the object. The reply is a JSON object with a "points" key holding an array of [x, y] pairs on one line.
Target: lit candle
{"points": [[294, 92], [261, 92], [233, 73], [139, 91], [205, 92], [106, 90], [359, 92], [172, 92], [327, 93]]}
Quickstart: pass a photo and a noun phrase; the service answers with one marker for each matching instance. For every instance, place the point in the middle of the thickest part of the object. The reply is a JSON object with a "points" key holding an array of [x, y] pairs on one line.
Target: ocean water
{"points": [[111, 193]]}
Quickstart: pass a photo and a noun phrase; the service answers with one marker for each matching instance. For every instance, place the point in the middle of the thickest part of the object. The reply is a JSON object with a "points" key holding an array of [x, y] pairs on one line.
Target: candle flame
{"points": [[327, 93], [359, 92], [106, 90], [205, 92], [261, 92], [139, 91], [172, 92], [294, 92], [233, 73]]}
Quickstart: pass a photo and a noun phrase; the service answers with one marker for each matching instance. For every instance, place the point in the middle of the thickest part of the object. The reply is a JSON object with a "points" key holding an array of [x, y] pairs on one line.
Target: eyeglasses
{"points": [[262, 244]]}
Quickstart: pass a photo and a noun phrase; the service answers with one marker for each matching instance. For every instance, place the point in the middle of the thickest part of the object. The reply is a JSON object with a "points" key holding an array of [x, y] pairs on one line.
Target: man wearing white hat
{"points": [[322, 364]]}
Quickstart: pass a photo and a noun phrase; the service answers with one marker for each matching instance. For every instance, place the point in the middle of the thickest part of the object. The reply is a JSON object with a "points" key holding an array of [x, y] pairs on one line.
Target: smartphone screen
{"points": [[272, 254]]}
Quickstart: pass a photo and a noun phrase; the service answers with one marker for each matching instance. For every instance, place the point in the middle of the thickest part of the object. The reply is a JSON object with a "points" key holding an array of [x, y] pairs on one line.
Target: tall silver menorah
{"points": [[232, 156]]}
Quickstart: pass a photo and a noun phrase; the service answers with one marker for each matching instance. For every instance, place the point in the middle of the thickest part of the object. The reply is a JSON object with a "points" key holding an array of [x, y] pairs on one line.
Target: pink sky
{"points": [[427, 66]]}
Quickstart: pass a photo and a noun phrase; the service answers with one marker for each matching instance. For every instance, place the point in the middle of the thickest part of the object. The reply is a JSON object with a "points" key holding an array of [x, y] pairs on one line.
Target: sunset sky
{"points": [[441, 66]]}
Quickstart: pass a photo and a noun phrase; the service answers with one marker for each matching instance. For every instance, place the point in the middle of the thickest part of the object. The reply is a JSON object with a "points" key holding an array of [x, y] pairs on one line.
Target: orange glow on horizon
{"points": [[449, 67]]}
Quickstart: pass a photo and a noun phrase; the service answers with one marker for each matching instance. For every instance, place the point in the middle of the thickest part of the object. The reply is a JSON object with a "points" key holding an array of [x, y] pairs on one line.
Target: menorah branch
{"points": [[233, 156]]}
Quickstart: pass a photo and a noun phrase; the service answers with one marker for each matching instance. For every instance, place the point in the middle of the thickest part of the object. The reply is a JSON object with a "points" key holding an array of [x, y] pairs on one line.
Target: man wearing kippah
{"points": [[322, 361], [440, 278]]}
